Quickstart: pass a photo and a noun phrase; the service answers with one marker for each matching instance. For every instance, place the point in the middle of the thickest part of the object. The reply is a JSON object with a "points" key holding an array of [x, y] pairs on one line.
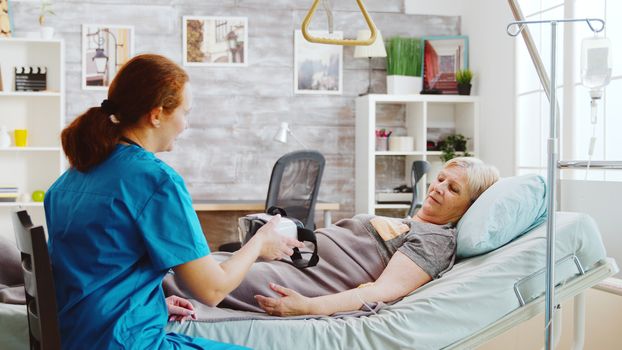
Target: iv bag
{"points": [[595, 62]]}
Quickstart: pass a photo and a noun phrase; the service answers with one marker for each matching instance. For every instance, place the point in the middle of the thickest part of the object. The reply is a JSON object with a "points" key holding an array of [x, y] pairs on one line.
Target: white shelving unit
{"points": [[420, 114], [38, 165]]}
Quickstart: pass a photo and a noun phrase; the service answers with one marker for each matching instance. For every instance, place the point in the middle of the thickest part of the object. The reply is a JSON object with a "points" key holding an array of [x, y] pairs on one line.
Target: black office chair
{"points": [[38, 283], [419, 168], [294, 186]]}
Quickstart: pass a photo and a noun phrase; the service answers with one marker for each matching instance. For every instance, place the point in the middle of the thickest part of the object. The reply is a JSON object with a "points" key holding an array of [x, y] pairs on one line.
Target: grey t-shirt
{"points": [[432, 247]]}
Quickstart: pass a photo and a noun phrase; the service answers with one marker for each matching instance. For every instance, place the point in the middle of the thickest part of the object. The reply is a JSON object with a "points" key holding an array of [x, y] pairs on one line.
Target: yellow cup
{"points": [[21, 137]]}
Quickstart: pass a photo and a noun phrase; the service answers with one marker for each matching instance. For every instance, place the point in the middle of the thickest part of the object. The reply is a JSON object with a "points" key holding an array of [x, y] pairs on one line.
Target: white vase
{"points": [[47, 32], [402, 84], [5, 137]]}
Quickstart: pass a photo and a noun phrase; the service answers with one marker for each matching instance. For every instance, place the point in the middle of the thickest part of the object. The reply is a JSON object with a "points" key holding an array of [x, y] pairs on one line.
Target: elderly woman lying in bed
{"points": [[368, 258]]}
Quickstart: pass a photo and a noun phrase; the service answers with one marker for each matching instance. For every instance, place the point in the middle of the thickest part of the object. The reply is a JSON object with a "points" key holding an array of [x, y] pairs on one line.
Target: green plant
{"points": [[464, 76], [404, 56], [46, 9], [452, 144]]}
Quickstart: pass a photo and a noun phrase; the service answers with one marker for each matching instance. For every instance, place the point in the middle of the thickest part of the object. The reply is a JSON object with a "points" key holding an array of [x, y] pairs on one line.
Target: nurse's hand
{"points": [[179, 309], [273, 245]]}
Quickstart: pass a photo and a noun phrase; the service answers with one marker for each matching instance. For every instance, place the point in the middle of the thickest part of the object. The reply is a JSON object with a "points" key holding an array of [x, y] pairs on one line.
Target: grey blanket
{"points": [[349, 256]]}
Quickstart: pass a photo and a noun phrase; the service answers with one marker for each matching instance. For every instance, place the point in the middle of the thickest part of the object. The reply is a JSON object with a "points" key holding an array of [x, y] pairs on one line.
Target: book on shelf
{"points": [[8, 197], [8, 189]]}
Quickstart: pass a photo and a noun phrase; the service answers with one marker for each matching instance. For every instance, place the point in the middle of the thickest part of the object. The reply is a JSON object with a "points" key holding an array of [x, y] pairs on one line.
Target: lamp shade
{"points": [[281, 134], [374, 50]]}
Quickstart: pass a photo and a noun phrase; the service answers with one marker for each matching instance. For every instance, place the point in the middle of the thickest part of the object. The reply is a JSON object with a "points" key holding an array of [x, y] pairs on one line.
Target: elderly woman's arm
{"points": [[399, 278]]}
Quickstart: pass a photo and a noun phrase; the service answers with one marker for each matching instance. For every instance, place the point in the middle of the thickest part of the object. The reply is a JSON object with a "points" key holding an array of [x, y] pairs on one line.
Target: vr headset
{"points": [[289, 227]]}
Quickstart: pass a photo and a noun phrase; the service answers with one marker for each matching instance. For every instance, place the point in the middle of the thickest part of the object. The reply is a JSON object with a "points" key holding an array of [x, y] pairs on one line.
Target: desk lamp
{"points": [[374, 50], [281, 135]]}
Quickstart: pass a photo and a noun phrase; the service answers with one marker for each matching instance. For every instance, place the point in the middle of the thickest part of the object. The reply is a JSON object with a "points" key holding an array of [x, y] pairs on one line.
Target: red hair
{"points": [[143, 83]]}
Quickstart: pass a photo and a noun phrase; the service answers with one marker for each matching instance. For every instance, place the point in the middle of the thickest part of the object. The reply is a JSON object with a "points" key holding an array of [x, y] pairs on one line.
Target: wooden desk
{"points": [[255, 205]]}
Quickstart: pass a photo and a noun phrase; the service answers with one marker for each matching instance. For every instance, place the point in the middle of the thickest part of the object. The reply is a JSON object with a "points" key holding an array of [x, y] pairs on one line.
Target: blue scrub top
{"points": [[114, 232]]}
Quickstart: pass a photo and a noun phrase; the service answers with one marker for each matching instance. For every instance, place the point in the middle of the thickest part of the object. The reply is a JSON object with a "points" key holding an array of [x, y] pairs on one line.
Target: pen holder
{"points": [[21, 137], [382, 143]]}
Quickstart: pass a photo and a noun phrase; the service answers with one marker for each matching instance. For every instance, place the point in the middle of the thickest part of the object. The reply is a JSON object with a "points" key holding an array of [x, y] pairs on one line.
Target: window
{"points": [[533, 105]]}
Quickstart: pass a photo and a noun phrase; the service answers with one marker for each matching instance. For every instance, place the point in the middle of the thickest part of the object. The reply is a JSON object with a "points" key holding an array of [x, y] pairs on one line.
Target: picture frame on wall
{"points": [[6, 21], [318, 68], [215, 41], [105, 49], [442, 57]]}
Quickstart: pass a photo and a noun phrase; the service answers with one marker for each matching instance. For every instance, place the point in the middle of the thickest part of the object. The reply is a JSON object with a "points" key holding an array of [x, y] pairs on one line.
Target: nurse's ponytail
{"points": [[145, 82]]}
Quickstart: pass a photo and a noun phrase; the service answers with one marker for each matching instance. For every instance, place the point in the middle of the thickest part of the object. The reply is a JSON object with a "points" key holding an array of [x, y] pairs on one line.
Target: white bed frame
{"points": [[573, 288]]}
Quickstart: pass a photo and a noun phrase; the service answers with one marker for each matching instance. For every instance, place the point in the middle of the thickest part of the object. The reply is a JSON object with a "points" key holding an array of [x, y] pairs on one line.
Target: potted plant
{"points": [[463, 78], [46, 9], [404, 65], [452, 144]]}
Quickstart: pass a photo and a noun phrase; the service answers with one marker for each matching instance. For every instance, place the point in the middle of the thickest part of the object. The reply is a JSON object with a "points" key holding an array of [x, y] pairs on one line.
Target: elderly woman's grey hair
{"points": [[480, 175]]}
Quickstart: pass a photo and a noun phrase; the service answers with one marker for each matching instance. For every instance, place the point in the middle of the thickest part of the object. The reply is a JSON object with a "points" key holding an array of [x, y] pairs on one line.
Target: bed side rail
{"points": [[574, 286], [530, 287]]}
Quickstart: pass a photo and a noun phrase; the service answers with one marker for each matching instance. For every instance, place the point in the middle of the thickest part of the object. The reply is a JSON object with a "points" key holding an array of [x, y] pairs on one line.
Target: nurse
{"points": [[119, 219]]}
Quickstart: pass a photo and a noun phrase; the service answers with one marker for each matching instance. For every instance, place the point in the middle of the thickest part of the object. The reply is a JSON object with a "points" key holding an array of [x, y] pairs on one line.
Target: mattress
{"points": [[473, 295]]}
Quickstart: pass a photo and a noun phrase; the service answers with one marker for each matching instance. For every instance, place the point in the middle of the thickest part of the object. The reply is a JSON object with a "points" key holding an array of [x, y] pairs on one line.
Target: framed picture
{"points": [[6, 22], [215, 41], [442, 57], [105, 48], [318, 68]]}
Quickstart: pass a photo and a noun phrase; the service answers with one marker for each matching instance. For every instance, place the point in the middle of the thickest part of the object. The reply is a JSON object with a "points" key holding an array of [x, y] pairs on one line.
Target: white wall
{"points": [[600, 200], [491, 57], [436, 7]]}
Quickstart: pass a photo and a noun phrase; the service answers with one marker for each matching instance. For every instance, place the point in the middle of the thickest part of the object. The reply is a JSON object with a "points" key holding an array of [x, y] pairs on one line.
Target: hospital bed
{"points": [[478, 299]]}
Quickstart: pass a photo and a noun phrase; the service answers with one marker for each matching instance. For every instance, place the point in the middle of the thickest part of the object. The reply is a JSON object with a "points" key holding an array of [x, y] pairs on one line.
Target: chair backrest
{"points": [[38, 283], [419, 168], [295, 184]]}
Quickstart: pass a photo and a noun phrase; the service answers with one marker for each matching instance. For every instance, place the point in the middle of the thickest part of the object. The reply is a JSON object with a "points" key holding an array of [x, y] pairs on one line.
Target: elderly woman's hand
{"points": [[179, 309], [290, 303]]}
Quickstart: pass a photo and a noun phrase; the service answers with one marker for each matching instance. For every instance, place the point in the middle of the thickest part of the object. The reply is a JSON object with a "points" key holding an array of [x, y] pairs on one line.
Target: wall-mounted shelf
{"points": [[20, 204], [30, 149], [42, 113], [29, 93]]}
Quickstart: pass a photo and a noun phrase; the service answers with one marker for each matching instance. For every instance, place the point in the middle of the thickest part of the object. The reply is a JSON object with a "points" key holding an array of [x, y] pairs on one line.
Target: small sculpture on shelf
{"points": [[31, 78]]}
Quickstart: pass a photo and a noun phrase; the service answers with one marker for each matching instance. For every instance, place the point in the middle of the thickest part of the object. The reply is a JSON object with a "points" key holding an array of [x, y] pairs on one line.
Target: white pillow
{"points": [[506, 210]]}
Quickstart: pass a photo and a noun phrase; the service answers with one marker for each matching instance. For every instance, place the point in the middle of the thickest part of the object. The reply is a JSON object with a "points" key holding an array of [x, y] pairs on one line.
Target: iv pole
{"points": [[514, 29]]}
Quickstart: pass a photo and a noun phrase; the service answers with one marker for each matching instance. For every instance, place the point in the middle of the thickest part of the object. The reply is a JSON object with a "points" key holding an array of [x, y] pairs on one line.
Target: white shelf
{"points": [[31, 40], [439, 153], [386, 98], [30, 149], [29, 94], [390, 153], [42, 113], [21, 204], [426, 118]]}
